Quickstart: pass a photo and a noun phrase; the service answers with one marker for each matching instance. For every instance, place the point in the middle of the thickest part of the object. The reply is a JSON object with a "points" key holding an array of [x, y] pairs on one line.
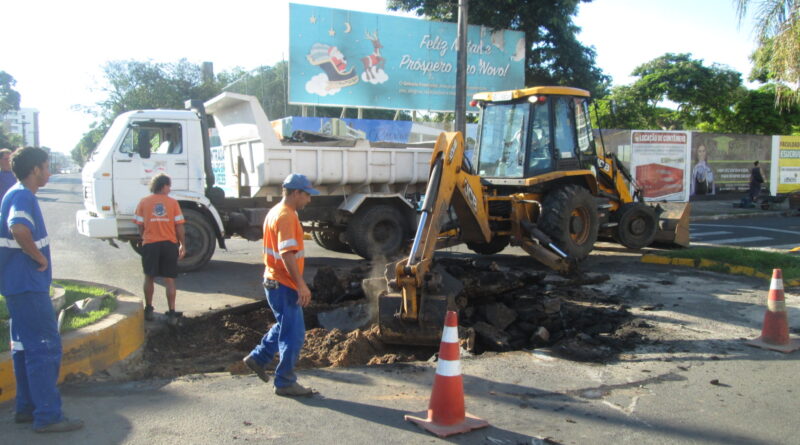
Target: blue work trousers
{"points": [[286, 335], [36, 353]]}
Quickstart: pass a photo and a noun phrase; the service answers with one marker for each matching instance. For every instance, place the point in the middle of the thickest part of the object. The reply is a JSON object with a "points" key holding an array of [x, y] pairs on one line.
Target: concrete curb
{"points": [[92, 348], [708, 264]]}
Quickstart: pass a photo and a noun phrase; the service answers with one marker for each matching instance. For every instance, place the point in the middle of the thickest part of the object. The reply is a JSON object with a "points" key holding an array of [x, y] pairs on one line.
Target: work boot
{"points": [[148, 313], [174, 318], [23, 417], [295, 390], [61, 427], [255, 367]]}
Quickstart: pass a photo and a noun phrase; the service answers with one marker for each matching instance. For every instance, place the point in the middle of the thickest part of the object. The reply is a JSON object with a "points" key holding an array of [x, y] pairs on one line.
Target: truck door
{"points": [[148, 148]]}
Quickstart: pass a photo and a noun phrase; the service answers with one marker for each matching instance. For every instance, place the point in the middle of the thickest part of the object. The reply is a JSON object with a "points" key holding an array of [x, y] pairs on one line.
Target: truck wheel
{"points": [[569, 217], [636, 225], [200, 241], [377, 231], [331, 241], [496, 245]]}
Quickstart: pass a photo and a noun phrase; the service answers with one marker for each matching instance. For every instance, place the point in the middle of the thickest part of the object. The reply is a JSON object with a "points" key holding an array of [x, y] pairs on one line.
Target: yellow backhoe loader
{"points": [[534, 180]]}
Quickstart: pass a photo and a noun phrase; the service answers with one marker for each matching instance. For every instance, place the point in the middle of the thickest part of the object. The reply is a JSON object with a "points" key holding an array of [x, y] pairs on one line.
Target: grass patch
{"points": [[759, 260], [73, 292]]}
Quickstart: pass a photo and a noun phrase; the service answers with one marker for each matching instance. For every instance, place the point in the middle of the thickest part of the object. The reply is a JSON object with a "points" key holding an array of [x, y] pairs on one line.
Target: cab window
{"points": [[566, 142], [583, 126], [503, 140], [540, 158], [161, 139]]}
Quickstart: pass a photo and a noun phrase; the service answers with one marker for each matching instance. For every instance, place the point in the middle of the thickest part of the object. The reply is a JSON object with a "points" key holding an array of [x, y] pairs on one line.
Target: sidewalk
{"points": [[709, 210]]}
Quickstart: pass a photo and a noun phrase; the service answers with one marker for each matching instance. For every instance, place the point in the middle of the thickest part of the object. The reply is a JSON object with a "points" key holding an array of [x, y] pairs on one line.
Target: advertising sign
{"points": [[659, 161], [785, 178], [722, 162], [347, 58]]}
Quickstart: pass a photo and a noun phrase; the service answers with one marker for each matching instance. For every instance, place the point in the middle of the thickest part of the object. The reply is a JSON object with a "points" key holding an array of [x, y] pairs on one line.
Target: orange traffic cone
{"points": [[446, 415], [775, 333]]}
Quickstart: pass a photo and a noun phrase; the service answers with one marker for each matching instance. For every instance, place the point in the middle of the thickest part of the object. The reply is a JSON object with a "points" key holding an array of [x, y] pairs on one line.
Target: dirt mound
{"points": [[501, 308]]}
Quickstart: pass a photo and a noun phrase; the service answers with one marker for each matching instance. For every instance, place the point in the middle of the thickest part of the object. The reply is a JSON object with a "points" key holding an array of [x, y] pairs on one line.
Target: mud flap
{"points": [[438, 296], [673, 223]]}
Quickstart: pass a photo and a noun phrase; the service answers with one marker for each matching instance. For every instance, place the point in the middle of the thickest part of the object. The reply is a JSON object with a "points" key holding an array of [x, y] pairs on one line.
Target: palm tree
{"points": [[777, 58]]}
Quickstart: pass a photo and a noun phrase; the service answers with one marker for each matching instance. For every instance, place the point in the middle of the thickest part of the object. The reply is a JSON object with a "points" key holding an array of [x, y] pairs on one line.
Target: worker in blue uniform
{"points": [[25, 277]]}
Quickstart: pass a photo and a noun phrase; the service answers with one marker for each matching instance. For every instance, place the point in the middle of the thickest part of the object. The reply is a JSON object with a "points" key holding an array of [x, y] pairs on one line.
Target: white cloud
{"points": [[378, 76], [319, 85]]}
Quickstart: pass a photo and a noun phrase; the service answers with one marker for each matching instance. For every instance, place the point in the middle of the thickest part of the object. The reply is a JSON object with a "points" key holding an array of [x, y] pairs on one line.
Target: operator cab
{"points": [[529, 132]]}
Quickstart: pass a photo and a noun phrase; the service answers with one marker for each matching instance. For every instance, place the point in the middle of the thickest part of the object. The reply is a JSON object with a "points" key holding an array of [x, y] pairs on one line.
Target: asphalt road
{"points": [[698, 383], [233, 276], [778, 233]]}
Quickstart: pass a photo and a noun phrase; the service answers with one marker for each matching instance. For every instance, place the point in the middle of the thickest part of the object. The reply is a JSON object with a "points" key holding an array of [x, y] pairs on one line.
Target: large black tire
{"points": [[569, 217], [496, 245], [200, 241], [377, 231], [331, 241], [637, 225]]}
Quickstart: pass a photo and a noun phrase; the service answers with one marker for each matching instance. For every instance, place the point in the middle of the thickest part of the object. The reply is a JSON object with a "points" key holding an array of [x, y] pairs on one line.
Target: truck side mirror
{"points": [[144, 151]]}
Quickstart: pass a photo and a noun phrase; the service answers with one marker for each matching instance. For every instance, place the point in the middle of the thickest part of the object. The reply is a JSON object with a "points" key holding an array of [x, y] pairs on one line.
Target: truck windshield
{"points": [[502, 140], [161, 138]]}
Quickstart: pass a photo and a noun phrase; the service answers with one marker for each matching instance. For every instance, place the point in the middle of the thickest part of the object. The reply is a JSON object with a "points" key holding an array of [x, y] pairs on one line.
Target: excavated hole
{"points": [[502, 308]]}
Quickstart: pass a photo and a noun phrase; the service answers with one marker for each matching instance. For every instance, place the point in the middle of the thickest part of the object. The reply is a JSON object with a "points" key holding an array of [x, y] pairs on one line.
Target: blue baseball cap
{"points": [[296, 181]]}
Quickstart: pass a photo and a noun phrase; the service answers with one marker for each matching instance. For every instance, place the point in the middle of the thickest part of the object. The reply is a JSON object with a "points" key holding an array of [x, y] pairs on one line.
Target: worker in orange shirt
{"points": [[287, 292], [160, 222]]}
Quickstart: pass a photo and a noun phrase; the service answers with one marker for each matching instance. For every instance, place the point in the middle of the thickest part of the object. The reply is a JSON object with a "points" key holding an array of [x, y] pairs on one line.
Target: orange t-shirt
{"points": [[159, 214], [282, 233]]}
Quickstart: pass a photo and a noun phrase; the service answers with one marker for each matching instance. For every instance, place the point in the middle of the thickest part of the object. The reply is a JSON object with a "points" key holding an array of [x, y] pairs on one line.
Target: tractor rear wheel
{"points": [[636, 225], [569, 217]]}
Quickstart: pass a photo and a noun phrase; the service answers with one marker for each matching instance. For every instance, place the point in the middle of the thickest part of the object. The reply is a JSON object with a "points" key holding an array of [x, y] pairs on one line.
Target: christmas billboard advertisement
{"points": [[355, 59]]}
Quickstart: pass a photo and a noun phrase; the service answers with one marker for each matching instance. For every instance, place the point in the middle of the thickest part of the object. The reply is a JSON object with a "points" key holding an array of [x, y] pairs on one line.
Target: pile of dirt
{"points": [[501, 308]]}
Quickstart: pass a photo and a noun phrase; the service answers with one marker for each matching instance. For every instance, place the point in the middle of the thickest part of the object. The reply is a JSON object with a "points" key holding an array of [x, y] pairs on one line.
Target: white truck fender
{"points": [[354, 201], [203, 201]]}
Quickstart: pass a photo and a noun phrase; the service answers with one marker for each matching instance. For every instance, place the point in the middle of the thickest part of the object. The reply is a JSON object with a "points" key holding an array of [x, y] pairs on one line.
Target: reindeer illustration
{"points": [[374, 60]]}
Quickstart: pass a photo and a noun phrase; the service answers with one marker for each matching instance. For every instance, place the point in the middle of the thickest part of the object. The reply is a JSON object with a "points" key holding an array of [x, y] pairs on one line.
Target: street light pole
{"points": [[461, 69]]}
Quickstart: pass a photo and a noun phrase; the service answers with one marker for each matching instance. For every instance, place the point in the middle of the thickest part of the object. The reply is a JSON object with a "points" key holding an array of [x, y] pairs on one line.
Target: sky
{"points": [[56, 49]]}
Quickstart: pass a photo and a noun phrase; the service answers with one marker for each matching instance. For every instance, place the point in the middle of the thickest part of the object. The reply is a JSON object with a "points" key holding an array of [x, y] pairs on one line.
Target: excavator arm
{"points": [[404, 315]]}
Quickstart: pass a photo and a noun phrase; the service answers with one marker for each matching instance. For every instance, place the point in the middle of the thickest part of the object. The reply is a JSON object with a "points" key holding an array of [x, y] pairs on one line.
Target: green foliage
{"points": [[703, 95], [9, 140], [777, 58], [9, 98], [73, 293], [554, 55], [759, 260], [756, 113]]}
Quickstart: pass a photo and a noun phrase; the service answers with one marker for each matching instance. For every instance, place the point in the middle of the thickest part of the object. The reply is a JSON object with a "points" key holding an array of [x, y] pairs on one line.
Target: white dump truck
{"points": [[369, 192]]}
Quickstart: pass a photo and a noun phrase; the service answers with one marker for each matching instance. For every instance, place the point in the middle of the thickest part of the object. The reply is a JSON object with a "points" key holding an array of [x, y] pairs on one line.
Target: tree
{"points": [[553, 56], [702, 94], [756, 113], [9, 98], [777, 57]]}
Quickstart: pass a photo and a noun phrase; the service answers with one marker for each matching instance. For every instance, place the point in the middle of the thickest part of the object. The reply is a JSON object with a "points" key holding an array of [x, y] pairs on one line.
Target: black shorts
{"points": [[160, 259]]}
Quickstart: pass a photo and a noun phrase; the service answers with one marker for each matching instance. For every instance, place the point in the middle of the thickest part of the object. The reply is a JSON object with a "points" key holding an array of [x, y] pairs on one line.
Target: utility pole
{"points": [[461, 69]]}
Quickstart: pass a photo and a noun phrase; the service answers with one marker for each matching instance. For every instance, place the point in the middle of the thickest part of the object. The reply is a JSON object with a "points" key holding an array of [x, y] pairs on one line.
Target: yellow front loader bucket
{"points": [[673, 223]]}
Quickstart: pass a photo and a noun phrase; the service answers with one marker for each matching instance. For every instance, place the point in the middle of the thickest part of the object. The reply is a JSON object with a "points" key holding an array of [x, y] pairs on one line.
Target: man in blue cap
{"points": [[287, 292]]}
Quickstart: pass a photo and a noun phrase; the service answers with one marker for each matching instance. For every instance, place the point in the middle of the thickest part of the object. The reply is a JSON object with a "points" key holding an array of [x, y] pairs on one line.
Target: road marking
{"points": [[750, 239], [700, 235], [792, 232]]}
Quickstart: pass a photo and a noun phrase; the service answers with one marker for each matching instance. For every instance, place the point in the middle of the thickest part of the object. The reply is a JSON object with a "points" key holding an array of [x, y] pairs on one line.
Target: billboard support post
{"points": [[461, 68]]}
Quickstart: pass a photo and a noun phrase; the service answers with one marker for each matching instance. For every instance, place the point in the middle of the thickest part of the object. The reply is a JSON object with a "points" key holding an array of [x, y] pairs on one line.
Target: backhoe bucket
{"points": [[438, 296], [673, 223]]}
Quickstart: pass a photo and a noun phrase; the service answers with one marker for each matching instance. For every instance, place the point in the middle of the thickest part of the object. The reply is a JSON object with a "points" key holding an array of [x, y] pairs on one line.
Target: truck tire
{"points": [[377, 231], [496, 245], [636, 225], [569, 217], [200, 241], [331, 241]]}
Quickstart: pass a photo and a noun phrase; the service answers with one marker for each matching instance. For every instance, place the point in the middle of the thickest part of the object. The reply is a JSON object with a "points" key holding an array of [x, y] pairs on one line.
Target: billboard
{"points": [[722, 162], [785, 178], [659, 161], [354, 59]]}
